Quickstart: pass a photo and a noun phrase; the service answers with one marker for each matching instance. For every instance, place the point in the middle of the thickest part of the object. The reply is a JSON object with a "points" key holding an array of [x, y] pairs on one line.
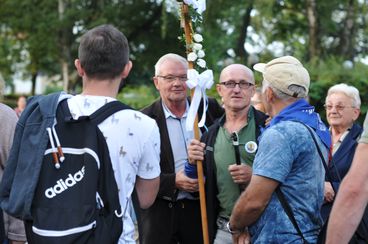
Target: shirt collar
{"points": [[342, 137], [222, 119], [169, 114]]}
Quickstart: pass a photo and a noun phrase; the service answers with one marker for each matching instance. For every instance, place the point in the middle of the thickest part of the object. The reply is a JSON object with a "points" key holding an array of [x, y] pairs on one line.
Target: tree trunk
{"points": [[64, 49], [313, 45], [346, 45], [240, 50], [65, 73], [34, 78]]}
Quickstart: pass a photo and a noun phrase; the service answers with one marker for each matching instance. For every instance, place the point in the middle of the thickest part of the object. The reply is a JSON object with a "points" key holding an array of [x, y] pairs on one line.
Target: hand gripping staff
{"points": [[187, 26], [235, 139]]}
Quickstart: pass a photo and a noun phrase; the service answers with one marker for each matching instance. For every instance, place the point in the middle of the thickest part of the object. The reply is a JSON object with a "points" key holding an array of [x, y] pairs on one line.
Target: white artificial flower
{"points": [[192, 57], [201, 63], [197, 37], [189, 2], [199, 5], [200, 54], [197, 46]]}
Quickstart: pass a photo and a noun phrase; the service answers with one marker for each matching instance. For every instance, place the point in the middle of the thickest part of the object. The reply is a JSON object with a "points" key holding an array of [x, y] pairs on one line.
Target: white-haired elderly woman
{"points": [[342, 110]]}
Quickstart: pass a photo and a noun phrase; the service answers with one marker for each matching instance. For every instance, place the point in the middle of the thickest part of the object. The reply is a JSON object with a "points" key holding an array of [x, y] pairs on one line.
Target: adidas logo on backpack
{"points": [[62, 185]]}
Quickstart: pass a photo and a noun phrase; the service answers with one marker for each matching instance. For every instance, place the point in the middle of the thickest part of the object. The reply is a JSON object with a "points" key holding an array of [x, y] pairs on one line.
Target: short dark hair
{"points": [[103, 52]]}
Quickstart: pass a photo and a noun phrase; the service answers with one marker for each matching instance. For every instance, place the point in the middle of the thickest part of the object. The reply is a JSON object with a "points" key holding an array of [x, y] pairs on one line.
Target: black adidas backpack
{"points": [[76, 198]]}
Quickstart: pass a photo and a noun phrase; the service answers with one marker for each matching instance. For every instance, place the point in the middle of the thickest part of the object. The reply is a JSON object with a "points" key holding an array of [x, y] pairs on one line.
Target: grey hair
{"points": [[302, 93], [350, 91], [169, 56]]}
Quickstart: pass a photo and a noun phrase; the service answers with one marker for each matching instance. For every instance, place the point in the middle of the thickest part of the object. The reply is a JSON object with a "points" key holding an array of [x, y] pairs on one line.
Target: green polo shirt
{"points": [[224, 155]]}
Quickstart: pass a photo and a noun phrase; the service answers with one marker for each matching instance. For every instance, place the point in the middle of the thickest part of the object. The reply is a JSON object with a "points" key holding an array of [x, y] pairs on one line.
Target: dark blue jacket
{"points": [[24, 163], [341, 162]]}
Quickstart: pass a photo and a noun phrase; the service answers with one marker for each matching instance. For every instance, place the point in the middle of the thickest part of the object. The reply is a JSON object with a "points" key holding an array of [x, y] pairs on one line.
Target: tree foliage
{"points": [[34, 38]]}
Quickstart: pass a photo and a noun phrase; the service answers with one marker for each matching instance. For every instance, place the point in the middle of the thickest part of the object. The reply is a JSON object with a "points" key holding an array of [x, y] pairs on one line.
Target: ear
{"points": [[219, 89], [126, 69], [356, 113], [268, 95], [155, 81], [79, 68]]}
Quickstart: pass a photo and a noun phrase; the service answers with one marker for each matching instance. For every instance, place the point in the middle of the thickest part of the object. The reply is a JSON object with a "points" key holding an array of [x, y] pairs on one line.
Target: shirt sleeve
{"points": [[149, 166], [274, 158]]}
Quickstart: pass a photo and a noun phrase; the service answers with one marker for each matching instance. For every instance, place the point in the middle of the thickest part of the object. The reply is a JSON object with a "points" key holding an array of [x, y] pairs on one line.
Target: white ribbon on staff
{"points": [[199, 5], [200, 82]]}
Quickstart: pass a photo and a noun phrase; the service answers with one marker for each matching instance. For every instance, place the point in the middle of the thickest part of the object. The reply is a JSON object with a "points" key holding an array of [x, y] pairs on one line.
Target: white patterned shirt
{"points": [[133, 140]]}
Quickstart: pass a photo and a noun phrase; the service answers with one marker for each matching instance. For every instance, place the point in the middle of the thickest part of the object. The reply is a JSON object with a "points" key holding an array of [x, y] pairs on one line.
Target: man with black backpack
{"points": [[76, 160]]}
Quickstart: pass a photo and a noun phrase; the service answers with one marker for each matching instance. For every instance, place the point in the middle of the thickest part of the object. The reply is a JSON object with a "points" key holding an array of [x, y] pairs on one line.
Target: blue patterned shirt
{"points": [[288, 155]]}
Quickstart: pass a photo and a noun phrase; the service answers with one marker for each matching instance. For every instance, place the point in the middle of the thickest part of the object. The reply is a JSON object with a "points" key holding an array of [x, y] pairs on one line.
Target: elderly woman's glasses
{"points": [[338, 107]]}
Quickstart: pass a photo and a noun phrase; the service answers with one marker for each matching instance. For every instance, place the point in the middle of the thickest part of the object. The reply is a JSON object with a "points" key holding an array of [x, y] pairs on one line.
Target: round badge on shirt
{"points": [[251, 147]]}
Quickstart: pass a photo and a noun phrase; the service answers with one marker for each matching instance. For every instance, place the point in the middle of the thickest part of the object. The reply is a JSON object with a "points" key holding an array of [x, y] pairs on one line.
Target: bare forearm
{"points": [[344, 219], [147, 191], [252, 202], [245, 213], [350, 201]]}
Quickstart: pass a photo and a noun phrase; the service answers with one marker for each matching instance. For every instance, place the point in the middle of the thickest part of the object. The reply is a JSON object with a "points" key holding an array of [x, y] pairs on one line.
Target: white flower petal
{"points": [[197, 37], [200, 54], [197, 46], [188, 2], [201, 63], [192, 56]]}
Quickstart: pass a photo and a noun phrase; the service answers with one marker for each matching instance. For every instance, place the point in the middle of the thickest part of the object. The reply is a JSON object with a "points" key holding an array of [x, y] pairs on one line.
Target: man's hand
{"points": [[195, 151], [329, 192], [184, 183], [241, 174], [242, 238]]}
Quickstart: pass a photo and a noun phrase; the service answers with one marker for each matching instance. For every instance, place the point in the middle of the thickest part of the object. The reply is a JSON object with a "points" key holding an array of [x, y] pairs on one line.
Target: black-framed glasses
{"points": [[171, 78], [231, 84], [338, 107]]}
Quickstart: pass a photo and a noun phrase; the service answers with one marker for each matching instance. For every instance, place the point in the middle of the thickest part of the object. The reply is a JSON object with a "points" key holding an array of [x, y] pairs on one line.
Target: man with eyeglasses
{"points": [[175, 215], [230, 146], [287, 169]]}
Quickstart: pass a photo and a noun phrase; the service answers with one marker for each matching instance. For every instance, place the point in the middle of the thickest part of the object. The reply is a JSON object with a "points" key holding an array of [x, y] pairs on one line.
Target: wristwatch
{"points": [[233, 232]]}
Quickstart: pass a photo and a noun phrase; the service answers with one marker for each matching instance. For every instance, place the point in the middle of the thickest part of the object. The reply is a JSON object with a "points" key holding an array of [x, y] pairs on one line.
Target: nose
{"points": [[333, 109], [177, 82], [237, 87]]}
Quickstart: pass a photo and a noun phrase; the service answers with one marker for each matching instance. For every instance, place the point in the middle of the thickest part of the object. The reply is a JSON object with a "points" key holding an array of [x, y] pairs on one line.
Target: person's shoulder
{"points": [[135, 117], [214, 105], [5, 109], [284, 130], [216, 124], [213, 101], [7, 112], [259, 116], [152, 108], [288, 125]]}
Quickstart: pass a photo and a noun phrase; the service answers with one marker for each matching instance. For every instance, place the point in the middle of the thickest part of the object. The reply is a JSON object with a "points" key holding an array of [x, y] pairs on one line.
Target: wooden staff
{"points": [[187, 25]]}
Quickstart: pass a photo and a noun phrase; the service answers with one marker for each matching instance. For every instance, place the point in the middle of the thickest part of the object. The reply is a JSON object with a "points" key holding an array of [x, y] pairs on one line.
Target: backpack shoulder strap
{"points": [[107, 110], [98, 116]]}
